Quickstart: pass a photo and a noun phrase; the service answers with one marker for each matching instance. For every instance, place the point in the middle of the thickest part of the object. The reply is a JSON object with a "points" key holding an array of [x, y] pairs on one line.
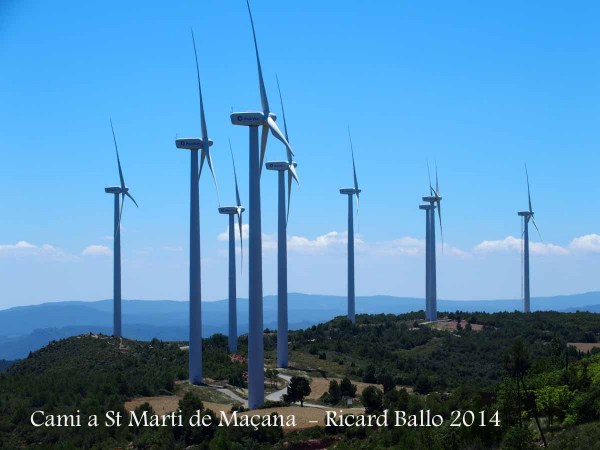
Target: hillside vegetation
{"points": [[516, 364]]}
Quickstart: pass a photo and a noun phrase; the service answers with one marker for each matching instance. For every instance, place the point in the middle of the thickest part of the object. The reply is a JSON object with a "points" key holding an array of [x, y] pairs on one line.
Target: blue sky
{"points": [[480, 88]]}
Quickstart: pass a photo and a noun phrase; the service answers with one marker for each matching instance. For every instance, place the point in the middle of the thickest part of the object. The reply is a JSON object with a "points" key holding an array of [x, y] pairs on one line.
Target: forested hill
{"points": [[466, 362], [28, 328]]}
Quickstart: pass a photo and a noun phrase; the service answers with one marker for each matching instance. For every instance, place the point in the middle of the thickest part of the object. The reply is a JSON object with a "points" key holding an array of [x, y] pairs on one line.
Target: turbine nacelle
{"points": [[350, 191], [525, 214], [280, 165], [427, 207], [432, 199], [116, 190], [251, 118], [231, 209], [192, 143]]}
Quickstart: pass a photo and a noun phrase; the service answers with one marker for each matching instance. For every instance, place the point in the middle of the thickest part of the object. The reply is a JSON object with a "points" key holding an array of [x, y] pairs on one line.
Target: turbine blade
{"points": [[263, 146], [292, 171], [237, 191], [241, 240], [289, 187], [118, 159], [132, 199], [212, 171], [429, 175], [528, 190], [120, 213], [437, 186], [263, 94], [439, 208], [536, 228], [202, 158], [202, 120], [354, 172], [287, 138], [279, 135], [439, 205]]}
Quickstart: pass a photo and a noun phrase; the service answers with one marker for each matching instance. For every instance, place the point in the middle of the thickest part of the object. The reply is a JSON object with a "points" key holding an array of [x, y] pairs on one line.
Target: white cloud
{"points": [[511, 244], [322, 243], [455, 251], [24, 248], [539, 248], [508, 244], [335, 241], [411, 246], [332, 241], [402, 246], [588, 243], [224, 236], [21, 245], [96, 250]]}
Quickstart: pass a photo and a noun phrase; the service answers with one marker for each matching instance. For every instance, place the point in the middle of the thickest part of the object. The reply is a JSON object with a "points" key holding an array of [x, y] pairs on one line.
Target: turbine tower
{"points": [[435, 202], [254, 119], [282, 291], [527, 216], [195, 323], [123, 191], [429, 217], [350, 192], [233, 211]]}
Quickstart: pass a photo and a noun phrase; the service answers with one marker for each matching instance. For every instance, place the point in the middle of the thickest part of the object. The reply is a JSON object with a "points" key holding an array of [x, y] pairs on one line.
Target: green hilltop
{"points": [[518, 364]]}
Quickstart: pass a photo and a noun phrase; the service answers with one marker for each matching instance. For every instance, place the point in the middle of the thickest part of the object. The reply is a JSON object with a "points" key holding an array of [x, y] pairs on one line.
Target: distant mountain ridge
{"points": [[27, 328]]}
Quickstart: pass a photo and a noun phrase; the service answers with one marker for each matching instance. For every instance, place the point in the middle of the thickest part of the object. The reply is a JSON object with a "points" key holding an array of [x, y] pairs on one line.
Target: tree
{"points": [[335, 392], [273, 378], [189, 405], [369, 376], [298, 388], [423, 384], [517, 363], [144, 407], [553, 401], [518, 438], [387, 381], [347, 388], [372, 399]]}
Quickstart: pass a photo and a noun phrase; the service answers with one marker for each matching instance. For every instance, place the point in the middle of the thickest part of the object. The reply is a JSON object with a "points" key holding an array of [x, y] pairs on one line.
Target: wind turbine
{"points": [[527, 216], [195, 144], [253, 120], [350, 192], [123, 191], [282, 290], [434, 200], [233, 211]]}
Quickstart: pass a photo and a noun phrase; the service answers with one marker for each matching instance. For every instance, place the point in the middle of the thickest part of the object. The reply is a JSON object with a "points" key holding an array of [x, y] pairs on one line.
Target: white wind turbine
{"points": [[350, 192], [194, 145], [253, 120]]}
